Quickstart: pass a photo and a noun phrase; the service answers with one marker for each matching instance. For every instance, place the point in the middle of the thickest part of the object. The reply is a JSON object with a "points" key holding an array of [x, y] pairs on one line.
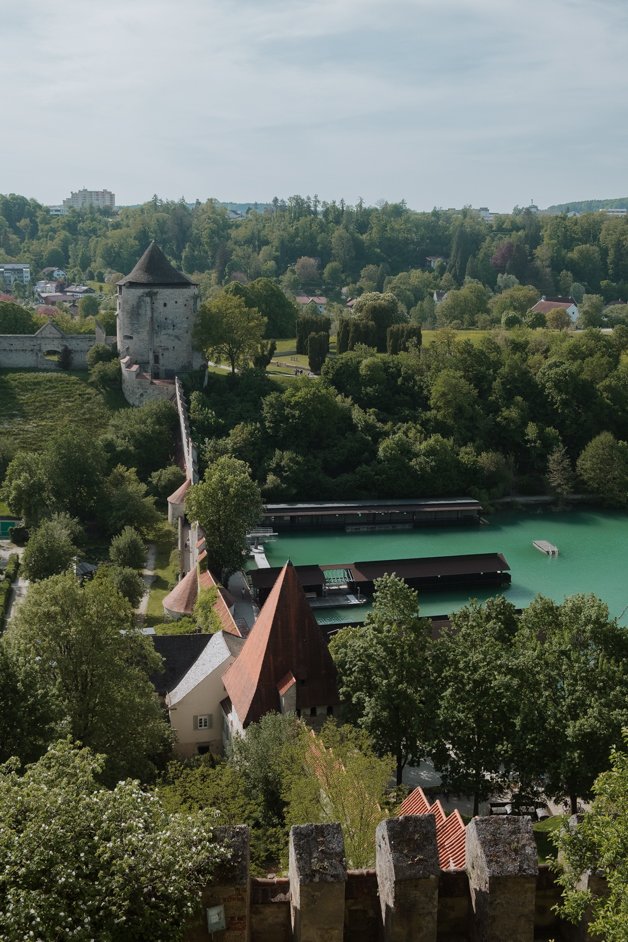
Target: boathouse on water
{"points": [[432, 573], [365, 515]]}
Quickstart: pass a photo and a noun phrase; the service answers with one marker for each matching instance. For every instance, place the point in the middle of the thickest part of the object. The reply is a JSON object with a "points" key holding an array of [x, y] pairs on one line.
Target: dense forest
{"points": [[312, 246]]}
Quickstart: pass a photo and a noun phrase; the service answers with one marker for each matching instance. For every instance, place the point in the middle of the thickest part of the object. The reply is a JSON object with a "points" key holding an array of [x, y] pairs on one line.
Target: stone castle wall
{"points": [[502, 896], [155, 328], [28, 351]]}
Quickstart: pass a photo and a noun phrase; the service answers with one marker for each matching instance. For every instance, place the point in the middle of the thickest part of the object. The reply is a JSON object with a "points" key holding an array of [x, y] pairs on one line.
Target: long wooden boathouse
{"points": [[371, 515], [430, 574]]}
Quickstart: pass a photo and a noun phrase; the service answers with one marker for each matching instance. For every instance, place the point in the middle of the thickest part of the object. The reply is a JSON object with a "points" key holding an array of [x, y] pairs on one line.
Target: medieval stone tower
{"points": [[156, 311]]}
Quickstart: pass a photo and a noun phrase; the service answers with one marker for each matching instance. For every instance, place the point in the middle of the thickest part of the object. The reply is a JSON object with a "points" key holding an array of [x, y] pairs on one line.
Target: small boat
{"points": [[545, 547]]}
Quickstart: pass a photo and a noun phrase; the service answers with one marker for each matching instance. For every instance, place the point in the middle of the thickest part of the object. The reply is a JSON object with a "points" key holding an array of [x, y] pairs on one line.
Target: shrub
{"points": [[127, 549]]}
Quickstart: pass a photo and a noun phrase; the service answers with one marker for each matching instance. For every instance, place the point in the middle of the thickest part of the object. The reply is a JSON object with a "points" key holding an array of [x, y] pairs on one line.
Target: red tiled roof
{"points": [[182, 598], [450, 829], [222, 604], [285, 638], [179, 495], [286, 683], [544, 307]]}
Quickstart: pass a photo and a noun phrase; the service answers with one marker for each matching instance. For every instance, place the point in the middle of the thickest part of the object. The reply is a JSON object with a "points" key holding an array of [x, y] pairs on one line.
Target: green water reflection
{"points": [[593, 548]]}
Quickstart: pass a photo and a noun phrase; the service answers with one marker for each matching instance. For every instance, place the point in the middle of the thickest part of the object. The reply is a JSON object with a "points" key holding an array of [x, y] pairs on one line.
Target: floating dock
{"points": [[544, 546]]}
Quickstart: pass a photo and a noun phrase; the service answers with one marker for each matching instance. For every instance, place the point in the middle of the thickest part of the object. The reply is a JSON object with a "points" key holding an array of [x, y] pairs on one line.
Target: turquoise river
{"points": [[592, 544]]}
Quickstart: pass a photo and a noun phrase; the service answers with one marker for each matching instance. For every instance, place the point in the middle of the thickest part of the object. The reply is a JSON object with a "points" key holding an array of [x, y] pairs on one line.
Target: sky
{"points": [[439, 102]]}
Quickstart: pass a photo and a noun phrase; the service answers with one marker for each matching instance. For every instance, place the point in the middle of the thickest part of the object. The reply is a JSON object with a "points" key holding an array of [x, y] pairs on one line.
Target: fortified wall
{"points": [[32, 351], [501, 896]]}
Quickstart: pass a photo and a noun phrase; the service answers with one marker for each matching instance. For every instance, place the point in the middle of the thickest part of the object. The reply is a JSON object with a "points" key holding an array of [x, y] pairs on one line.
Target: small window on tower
{"points": [[155, 358]]}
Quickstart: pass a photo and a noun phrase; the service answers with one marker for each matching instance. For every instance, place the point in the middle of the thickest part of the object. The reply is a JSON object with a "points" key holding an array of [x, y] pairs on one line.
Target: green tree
{"points": [[15, 319], [206, 785], [599, 843], [227, 504], [603, 466], [574, 703], [142, 438], [262, 758], [336, 776], [94, 668], [88, 306], [558, 319], [126, 501], [128, 582], [25, 724], [80, 861], [384, 673], [474, 692], [382, 310], [229, 330], [166, 481], [128, 549], [51, 547], [204, 612], [99, 353], [26, 488], [560, 476], [317, 350], [75, 470], [310, 323]]}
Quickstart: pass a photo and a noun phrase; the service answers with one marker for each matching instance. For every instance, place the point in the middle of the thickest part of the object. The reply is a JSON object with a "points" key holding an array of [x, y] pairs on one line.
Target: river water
{"points": [[592, 544]]}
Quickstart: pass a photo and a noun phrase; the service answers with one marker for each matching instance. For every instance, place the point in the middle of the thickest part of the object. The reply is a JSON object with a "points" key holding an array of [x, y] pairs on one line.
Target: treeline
{"points": [[521, 411], [311, 246]]}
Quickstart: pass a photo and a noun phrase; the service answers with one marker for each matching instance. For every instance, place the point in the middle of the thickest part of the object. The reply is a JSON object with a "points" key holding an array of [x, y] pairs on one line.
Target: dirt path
{"points": [[148, 574]]}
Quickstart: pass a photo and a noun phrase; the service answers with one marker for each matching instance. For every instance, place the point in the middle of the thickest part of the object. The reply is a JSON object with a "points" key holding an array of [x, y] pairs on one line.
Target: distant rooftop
{"points": [[154, 268]]}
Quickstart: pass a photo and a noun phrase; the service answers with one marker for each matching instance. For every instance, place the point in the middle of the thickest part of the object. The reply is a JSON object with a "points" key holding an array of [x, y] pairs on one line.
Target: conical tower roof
{"points": [[285, 639], [154, 269]]}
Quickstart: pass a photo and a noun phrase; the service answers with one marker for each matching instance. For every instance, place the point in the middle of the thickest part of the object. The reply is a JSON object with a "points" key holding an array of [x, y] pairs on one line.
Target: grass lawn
{"points": [[33, 405], [429, 336], [166, 569], [542, 831]]}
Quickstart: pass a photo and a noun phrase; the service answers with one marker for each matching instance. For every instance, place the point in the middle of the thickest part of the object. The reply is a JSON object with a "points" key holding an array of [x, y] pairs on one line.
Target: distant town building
{"points": [[83, 199], [485, 213], [304, 299], [14, 273], [616, 211]]}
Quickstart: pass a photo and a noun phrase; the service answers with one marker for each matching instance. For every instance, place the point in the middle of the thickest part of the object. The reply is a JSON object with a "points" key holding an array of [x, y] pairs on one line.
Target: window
{"points": [[330, 711], [312, 711], [204, 721]]}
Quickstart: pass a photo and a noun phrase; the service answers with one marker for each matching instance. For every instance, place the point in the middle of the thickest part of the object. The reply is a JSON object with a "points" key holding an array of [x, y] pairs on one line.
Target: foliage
{"points": [[93, 669], [317, 350], [384, 672], [127, 549], [24, 721], [126, 501], [477, 704], [127, 581], [15, 319], [310, 323], [400, 336], [573, 705], [51, 547], [204, 784], [80, 861], [100, 353], [560, 476], [142, 438], [204, 612], [337, 776], [262, 758], [106, 375], [603, 466], [599, 843], [382, 310], [229, 330], [165, 481], [227, 504]]}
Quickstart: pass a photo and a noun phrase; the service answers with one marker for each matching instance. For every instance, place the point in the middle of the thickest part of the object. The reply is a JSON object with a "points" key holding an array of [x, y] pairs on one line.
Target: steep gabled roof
{"points": [[182, 598], [450, 829], [218, 650], [154, 269], [285, 639]]}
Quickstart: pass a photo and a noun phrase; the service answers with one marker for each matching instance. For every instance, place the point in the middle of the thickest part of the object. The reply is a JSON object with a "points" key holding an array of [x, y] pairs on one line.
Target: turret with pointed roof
{"points": [[285, 662], [156, 312]]}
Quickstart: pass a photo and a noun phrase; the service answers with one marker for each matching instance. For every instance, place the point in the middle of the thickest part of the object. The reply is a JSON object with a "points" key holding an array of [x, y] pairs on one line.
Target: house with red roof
{"points": [[547, 304], [284, 666]]}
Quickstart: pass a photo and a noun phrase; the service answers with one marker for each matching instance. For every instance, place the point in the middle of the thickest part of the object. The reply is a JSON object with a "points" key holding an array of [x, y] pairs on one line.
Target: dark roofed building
{"points": [[285, 665], [179, 652], [153, 268]]}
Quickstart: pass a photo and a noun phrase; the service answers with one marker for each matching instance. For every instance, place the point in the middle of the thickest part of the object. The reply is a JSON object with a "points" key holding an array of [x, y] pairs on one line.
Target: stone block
{"points": [[407, 875], [502, 866], [231, 885], [318, 874]]}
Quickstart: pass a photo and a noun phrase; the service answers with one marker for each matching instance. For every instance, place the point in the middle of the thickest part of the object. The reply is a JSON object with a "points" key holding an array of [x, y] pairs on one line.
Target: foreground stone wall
{"points": [[28, 351], [501, 897]]}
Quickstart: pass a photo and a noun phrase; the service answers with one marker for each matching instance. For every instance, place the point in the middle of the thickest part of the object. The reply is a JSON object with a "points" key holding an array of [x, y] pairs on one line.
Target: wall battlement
{"points": [[502, 896]]}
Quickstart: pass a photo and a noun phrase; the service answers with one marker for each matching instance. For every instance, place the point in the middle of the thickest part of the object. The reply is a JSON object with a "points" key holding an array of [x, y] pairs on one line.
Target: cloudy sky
{"points": [[438, 102]]}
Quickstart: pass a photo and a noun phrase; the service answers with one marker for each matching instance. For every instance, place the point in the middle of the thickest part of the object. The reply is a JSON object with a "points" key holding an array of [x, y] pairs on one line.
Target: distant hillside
{"points": [[588, 206]]}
